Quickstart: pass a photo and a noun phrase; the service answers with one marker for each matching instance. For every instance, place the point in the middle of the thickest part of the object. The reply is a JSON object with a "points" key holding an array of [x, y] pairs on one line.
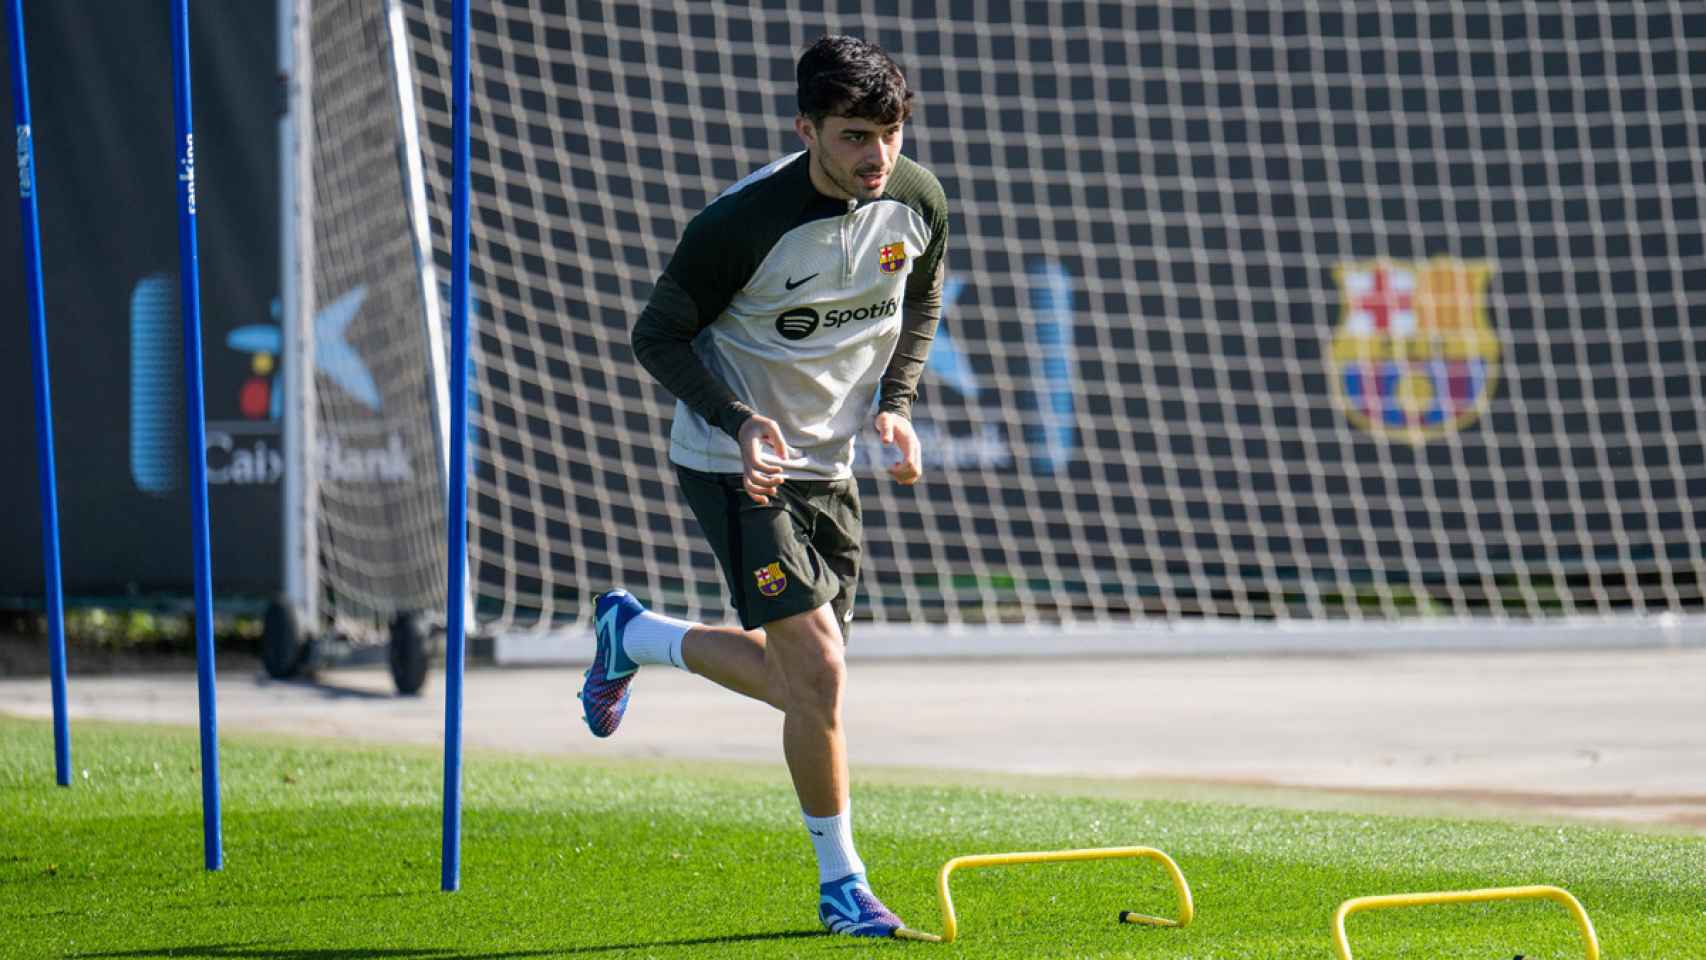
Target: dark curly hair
{"points": [[848, 77]]}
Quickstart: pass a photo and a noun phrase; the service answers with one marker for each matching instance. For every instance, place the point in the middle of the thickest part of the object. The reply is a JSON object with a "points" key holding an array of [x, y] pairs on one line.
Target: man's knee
{"points": [[809, 654]]}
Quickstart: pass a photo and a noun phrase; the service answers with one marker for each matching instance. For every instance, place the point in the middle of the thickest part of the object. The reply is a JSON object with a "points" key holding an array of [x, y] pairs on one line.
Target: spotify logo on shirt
{"points": [[800, 322], [797, 324]]}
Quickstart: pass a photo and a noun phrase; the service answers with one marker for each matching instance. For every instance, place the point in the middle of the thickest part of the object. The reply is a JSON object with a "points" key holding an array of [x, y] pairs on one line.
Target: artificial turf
{"points": [[333, 851]]}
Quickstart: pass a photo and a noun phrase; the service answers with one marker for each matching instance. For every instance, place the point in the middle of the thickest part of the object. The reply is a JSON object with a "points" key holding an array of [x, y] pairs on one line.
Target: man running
{"points": [[801, 299]]}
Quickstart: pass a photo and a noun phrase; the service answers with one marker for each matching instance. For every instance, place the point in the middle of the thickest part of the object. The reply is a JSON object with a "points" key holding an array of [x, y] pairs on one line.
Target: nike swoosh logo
{"points": [[815, 833], [846, 905], [607, 627], [791, 283]]}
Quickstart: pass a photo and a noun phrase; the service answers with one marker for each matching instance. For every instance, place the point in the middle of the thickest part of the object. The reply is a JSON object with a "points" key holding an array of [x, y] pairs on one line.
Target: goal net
{"points": [[376, 502], [1255, 314]]}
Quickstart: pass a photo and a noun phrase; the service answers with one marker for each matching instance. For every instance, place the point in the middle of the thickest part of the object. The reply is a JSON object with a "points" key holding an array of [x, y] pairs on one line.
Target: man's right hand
{"points": [[764, 467]]}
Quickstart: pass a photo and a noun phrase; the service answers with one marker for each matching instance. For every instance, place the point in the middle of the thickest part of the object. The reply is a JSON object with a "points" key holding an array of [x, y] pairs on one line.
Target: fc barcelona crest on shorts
{"points": [[892, 257], [771, 580]]}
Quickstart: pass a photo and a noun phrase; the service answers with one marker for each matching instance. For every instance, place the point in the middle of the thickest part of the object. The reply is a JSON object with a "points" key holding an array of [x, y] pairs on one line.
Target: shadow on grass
{"points": [[692, 942], [233, 951], [261, 951], [241, 904]]}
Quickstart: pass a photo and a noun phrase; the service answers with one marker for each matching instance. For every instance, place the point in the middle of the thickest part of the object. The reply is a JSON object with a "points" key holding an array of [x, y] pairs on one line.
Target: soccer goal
{"points": [[1341, 326], [365, 477]]}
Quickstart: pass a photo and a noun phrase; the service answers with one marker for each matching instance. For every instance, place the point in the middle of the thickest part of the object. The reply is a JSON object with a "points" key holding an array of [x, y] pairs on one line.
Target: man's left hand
{"points": [[895, 431]]}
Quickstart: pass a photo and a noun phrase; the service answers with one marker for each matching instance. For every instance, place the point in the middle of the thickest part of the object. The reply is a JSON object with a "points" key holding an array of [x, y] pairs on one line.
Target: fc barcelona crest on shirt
{"points": [[771, 580], [891, 257], [1414, 357]]}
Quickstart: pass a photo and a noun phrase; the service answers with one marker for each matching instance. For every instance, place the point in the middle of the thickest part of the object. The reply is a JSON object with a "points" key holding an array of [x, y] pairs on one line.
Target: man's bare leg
{"points": [[806, 670], [795, 664], [732, 658], [798, 665]]}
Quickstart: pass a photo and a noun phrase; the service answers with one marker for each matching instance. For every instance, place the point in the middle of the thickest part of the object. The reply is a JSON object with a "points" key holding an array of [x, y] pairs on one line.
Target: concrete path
{"points": [[1614, 734]]}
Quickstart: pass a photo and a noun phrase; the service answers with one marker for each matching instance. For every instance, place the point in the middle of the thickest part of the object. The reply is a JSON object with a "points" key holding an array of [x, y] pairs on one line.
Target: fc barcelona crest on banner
{"points": [[1414, 356], [891, 257], [771, 580]]}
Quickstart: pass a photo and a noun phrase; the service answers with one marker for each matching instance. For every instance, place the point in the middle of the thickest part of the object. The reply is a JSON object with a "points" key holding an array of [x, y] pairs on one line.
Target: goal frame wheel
{"points": [[284, 650], [408, 651]]}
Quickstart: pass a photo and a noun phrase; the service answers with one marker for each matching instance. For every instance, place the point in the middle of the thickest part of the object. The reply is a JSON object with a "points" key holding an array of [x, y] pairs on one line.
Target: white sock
{"points": [[654, 638], [832, 838]]}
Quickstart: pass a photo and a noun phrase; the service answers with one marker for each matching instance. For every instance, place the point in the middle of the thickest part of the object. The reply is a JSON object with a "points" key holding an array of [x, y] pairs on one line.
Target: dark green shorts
{"points": [[795, 554]]}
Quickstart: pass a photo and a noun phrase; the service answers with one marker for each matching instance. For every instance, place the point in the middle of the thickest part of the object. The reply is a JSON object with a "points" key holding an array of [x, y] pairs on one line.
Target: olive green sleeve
{"points": [[921, 311], [663, 343]]}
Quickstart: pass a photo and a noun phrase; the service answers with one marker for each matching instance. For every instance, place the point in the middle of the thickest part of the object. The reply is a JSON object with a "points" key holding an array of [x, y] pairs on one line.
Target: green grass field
{"points": [[332, 851]]}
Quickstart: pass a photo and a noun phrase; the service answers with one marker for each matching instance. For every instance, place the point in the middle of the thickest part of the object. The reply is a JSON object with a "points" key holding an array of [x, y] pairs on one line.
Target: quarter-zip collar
{"points": [[847, 240], [816, 204]]}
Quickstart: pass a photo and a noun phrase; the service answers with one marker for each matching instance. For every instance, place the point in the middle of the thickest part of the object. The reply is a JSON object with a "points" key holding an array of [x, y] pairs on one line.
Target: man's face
{"points": [[851, 157]]}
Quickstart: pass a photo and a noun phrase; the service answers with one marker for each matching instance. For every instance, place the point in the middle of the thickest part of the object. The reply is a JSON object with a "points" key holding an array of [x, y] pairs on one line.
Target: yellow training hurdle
{"points": [[950, 923], [1589, 941]]}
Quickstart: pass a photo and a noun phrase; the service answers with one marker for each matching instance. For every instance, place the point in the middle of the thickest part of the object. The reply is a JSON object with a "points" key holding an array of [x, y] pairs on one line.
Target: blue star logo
{"points": [[333, 355]]}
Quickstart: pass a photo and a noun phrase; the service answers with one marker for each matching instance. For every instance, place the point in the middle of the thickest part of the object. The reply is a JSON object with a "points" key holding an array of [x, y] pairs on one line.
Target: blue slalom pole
{"points": [[30, 220], [190, 274], [458, 512]]}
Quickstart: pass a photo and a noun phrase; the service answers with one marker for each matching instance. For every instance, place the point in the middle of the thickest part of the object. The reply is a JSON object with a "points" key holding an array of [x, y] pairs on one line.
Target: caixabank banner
{"points": [[101, 92]]}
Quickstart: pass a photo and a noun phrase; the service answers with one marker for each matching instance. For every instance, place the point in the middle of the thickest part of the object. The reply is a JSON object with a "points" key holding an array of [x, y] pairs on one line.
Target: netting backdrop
{"points": [[380, 500], [1255, 312]]}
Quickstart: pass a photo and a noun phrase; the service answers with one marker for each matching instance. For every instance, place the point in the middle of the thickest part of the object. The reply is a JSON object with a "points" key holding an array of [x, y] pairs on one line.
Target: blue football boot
{"points": [[848, 906], [604, 691]]}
